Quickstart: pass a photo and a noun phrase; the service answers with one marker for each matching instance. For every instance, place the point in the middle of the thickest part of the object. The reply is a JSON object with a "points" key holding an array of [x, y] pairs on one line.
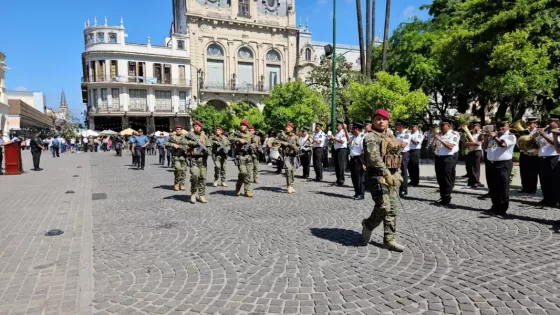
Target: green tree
{"points": [[210, 117], [244, 111], [389, 92], [294, 102]]}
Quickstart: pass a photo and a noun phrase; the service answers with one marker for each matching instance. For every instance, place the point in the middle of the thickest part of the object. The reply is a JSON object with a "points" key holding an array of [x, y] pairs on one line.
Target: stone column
{"points": [[124, 123]]}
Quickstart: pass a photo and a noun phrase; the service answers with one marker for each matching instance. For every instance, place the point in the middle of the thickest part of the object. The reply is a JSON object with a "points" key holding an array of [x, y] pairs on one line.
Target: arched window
{"points": [[215, 50], [273, 56], [215, 67], [273, 69], [245, 69], [245, 53], [308, 54]]}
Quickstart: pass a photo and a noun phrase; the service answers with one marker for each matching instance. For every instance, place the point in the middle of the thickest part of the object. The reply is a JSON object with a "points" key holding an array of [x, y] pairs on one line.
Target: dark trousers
{"points": [[161, 152], [357, 175], [36, 158], [498, 184], [445, 174], [305, 158], [404, 171], [325, 160], [1, 160], [548, 169], [85, 145], [529, 172], [414, 167], [168, 157], [140, 157], [55, 151], [340, 157], [318, 163], [473, 167]]}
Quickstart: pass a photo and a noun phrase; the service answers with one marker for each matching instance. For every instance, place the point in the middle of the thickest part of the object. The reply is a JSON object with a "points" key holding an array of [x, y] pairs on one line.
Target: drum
{"points": [[274, 154]]}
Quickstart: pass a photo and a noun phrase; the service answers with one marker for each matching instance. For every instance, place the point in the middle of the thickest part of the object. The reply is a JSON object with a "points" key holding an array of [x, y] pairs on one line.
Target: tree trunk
{"points": [[386, 36], [372, 37], [361, 36], [368, 40]]}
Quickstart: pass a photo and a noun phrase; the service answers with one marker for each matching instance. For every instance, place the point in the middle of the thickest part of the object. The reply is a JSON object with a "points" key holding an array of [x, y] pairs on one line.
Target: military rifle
{"points": [[239, 136], [202, 149]]}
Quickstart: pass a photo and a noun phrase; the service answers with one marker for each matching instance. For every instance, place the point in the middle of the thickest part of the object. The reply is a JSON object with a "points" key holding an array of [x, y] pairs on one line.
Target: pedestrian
{"points": [[446, 146], [199, 162], [55, 147], [255, 155], [340, 155], [169, 151], [36, 148], [403, 135], [318, 151], [474, 157], [85, 143], [416, 139], [357, 165], [382, 158], [305, 145], [131, 141], [176, 144], [220, 143], [139, 147], [529, 162], [548, 164], [244, 147]]}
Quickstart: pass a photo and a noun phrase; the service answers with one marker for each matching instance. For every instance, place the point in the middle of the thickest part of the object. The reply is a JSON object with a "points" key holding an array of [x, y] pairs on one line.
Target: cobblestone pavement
{"points": [[154, 253], [46, 274]]}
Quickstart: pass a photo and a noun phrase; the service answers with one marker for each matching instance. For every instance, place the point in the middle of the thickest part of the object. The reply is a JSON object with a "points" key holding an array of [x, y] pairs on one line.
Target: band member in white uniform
{"points": [[446, 146], [548, 164], [529, 164], [416, 139], [357, 165], [305, 156], [318, 141], [475, 156], [403, 135], [340, 154]]}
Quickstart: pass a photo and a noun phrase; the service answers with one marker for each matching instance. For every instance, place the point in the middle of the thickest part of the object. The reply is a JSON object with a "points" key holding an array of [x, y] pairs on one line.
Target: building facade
{"points": [[142, 86], [4, 107], [36, 99]]}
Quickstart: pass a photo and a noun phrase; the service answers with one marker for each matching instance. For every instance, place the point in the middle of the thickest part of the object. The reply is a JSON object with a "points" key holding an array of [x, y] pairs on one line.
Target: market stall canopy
{"points": [[158, 133], [90, 133], [108, 133], [127, 132]]}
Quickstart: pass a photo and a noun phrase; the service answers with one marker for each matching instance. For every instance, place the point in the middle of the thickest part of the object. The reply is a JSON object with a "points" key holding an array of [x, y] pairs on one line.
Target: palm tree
{"points": [[386, 36], [361, 36], [368, 40], [372, 36]]}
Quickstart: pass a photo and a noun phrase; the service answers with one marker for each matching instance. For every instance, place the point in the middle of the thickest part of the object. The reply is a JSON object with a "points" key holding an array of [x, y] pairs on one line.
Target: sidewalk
{"points": [[46, 274]]}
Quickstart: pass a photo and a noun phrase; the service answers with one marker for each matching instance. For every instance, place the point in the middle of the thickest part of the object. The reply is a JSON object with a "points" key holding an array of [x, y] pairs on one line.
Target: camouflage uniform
{"points": [[199, 163], [289, 153], [179, 160], [255, 157], [220, 158], [382, 157], [244, 160]]}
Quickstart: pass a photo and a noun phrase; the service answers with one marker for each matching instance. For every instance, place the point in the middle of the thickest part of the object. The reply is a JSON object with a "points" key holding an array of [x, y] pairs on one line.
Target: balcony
{"points": [[138, 80], [233, 87]]}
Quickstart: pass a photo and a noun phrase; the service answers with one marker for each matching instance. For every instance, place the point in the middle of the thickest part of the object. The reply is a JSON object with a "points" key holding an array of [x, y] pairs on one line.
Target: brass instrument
{"points": [[467, 132], [528, 143], [517, 126]]}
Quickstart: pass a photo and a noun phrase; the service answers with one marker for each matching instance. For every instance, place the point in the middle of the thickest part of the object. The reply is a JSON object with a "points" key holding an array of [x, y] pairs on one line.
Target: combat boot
{"points": [[176, 187], [291, 190], [182, 187], [215, 183], [238, 190], [203, 199], [366, 233], [224, 184], [393, 246], [249, 194], [193, 198]]}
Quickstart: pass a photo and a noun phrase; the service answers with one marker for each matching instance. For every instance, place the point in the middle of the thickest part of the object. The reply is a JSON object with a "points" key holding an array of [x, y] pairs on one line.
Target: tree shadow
{"points": [[166, 187], [182, 197], [340, 236], [330, 194], [271, 188]]}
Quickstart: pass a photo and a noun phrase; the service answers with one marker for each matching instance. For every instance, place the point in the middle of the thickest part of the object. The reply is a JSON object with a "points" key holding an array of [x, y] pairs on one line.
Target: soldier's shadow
{"points": [[335, 195], [272, 188], [167, 187], [340, 236], [182, 197]]}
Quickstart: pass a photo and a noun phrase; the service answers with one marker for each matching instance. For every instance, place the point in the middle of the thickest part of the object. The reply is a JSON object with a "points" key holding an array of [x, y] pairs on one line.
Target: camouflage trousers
{"points": [[289, 164], [180, 165], [198, 176], [245, 176], [220, 164], [385, 210], [256, 166]]}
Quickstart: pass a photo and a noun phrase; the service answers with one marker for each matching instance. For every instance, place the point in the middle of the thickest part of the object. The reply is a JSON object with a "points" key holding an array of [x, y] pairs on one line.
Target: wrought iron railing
{"points": [[137, 80]]}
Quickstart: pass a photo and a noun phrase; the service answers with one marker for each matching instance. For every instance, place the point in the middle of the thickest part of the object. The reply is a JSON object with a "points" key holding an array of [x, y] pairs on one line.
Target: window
{"points": [[181, 44], [163, 101], [100, 37], [215, 67], [112, 37], [114, 69], [182, 102], [167, 74], [91, 37], [132, 71], [273, 56], [138, 100], [95, 98], [104, 99], [243, 8], [101, 70], [245, 69], [308, 54], [157, 72], [182, 80], [245, 53], [136, 71], [115, 99], [86, 39], [215, 50], [93, 73]]}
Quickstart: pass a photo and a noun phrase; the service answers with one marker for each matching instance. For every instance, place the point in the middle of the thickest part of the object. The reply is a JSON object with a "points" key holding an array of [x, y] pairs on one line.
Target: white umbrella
{"points": [[89, 133], [108, 133]]}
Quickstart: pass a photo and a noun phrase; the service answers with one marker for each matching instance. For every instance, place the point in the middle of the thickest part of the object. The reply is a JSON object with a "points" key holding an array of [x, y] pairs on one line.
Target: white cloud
{"points": [[21, 89], [410, 11]]}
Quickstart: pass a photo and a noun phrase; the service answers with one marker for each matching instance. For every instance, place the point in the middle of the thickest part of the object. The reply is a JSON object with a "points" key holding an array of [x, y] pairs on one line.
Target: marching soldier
{"points": [[318, 151], [196, 141], [244, 145], [305, 144], [403, 135], [357, 165], [220, 145], [382, 157], [548, 164], [416, 139], [176, 144], [475, 156], [529, 163], [499, 147], [446, 146], [255, 155], [288, 141]]}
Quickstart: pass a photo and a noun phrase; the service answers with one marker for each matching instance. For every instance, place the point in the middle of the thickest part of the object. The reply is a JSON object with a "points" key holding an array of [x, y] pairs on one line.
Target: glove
{"points": [[390, 180]]}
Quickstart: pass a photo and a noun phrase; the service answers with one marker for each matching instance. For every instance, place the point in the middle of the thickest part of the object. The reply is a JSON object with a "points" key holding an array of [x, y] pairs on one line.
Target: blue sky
{"points": [[43, 40]]}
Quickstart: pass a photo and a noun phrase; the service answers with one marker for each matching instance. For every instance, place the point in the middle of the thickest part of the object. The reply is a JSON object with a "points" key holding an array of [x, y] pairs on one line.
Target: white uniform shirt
{"points": [[404, 137], [418, 137], [85, 140], [303, 142], [497, 153], [476, 137], [321, 137], [451, 137], [545, 148], [341, 135], [357, 144]]}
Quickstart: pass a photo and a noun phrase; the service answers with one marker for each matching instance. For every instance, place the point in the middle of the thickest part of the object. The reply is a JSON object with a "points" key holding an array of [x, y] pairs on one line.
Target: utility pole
{"points": [[333, 94]]}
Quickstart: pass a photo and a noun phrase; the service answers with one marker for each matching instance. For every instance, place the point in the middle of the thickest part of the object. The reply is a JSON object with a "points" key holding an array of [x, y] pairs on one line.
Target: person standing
{"points": [[255, 155], [340, 155], [198, 153], [416, 139], [548, 164], [403, 135], [119, 143], [446, 146], [36, 148], [381, 155], [474, 156], [305, 144], [131, 141], [357, 165], [220, 145], [3, 142], [177, 146], [169, 151], [55, 147], [288, 141], [244, 146], [529, 163], [139, 148], [318, 151], [85, 143], [161, 149]]}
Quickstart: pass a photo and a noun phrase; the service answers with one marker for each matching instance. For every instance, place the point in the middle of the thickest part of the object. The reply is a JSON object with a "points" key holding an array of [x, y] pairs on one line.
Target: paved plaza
{"points": [[132, 245]]}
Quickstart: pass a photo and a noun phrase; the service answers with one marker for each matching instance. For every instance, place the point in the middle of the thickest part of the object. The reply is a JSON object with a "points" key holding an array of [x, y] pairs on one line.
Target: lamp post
{"points": [[198, 71], [333, 94]]}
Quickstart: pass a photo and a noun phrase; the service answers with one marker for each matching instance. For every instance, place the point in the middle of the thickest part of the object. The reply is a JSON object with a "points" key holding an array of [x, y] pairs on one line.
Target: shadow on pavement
{"points": [[271, 188], [224, 192], [330, 194], [341, 236], [182, 197], [167, 187]]}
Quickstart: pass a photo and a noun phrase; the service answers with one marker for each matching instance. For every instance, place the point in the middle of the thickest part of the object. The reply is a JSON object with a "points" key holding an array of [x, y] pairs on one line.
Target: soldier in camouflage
{"points": [[176, 143], [255, 155], [220, 145], [244, 146], [289, 144], [199, 160], [383, 160]]}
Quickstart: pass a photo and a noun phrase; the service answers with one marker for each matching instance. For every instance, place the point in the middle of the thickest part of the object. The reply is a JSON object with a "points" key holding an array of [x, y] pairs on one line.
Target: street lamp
{"points": [[328, 51], [198, 71]]}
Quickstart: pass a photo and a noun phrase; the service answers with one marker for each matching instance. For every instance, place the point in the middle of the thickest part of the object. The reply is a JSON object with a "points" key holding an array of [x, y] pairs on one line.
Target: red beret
{"points": [[290, 124], [196, 122], [382, 113], [251, 127], [218, 127], [178, 126], [244, 123]]}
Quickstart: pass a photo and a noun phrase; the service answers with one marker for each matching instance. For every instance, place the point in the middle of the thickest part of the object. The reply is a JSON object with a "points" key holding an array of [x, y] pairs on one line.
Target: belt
{"points": [[548, 157], [495, 162], [355, 156]]}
